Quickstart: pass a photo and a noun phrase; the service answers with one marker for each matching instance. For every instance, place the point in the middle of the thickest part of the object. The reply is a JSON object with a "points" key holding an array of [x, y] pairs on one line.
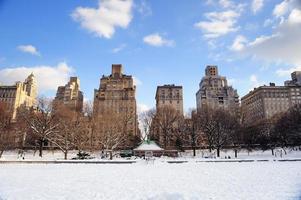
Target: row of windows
{"points": [[170, 102], [7, 94], [8, 100]]}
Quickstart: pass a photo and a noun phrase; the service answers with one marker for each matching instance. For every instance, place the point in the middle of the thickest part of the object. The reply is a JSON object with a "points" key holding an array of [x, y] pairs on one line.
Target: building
{"points": [[296, 79], [266, 101], [117, 95], [20, 94], [215, 92], [170, 95], [70, 95]]}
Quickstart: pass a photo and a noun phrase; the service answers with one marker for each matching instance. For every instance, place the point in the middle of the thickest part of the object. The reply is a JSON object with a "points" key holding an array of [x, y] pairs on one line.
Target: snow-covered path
{"points": [[266, 180]]}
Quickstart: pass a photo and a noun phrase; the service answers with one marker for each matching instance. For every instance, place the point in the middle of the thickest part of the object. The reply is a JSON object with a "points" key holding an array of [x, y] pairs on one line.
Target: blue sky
{"points": [[253, 42]]}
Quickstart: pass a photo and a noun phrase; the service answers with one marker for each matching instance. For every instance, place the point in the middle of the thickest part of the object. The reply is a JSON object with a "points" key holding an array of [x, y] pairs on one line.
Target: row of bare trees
{"points": [[216, 129], [5, 126], [283, 130], [58, 127], [208, 128]]}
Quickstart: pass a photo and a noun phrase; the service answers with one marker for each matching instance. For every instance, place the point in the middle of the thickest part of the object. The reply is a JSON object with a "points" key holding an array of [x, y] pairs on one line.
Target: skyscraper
{"points": [[170, 95], [116, 95], [70, 95], [215, 92], [20, 94], [265, 102]]}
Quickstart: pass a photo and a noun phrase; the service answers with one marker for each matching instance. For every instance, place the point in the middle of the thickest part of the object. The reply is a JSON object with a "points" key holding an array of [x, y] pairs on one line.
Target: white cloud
{"points": [[118, 49], [268, 22], [257, 5], [287, 72], [283, 46], [28, 49], [103, 20], [295, 17], [283, 8], [48, 77], [239, 43], [219, 23], [157, 40], [136, 81], [142, 108], [254, 82], [226, 3]]}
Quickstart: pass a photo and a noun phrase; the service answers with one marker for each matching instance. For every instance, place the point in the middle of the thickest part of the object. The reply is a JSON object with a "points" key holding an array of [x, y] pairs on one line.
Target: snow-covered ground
{"points": [[201, 154], [256, 180], [155, 180]]}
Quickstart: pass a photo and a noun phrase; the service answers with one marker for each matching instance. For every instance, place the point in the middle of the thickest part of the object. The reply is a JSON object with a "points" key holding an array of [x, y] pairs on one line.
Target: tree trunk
{"points": [[111, 155], [194, 151], [235, 152], [272, 151], [41, 148], [1, 153], [218, 151], [65, 154]]}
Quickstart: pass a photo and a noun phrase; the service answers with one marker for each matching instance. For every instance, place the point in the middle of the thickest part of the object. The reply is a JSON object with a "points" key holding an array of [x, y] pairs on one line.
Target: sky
{"points": [[253, 42]]}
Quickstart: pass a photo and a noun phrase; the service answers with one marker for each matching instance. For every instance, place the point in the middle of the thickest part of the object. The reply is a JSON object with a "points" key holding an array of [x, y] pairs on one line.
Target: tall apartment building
{"points": [[214, 92], [70, 95], [170, 95], [296, 79], [20, 94], [116, 94], [266, 101]]}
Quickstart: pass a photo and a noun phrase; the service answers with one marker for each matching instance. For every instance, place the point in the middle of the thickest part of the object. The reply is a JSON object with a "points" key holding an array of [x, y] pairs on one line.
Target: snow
{"points": [[195, 179], [201, 154], [148, 146], [191, 180]]}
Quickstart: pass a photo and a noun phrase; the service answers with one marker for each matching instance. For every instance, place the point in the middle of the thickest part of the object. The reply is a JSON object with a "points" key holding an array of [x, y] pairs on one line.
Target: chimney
{"points": [[117, 70]]}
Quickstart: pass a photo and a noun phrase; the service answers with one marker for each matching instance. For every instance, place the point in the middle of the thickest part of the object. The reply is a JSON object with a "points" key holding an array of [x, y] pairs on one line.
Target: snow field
{"points": [[258, 180]]}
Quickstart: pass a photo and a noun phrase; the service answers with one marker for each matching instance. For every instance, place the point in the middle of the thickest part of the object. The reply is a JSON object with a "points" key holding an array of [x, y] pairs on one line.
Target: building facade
{"points": [[296, 79], [170, 95], [214, 92], [20, 94], [70, 95], [117, 96], [267, 101]]}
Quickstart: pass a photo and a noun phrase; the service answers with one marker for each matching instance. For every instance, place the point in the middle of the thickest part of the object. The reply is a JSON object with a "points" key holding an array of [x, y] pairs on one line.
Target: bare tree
{"points": [[205, 123], [219, 127], [63, 138], [5, 126], [225, 126], [288, 128], [42, 122], [194, 131], [111, 131], [165, 124], [82, 133], [146, 119]]}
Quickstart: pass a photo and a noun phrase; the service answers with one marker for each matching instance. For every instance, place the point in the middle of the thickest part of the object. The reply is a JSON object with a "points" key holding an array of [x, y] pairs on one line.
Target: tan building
{"points": [[20, 94], [70, 95], [296, 79], [266, 101], [170, 95], [215, 92], [116, 95]]}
